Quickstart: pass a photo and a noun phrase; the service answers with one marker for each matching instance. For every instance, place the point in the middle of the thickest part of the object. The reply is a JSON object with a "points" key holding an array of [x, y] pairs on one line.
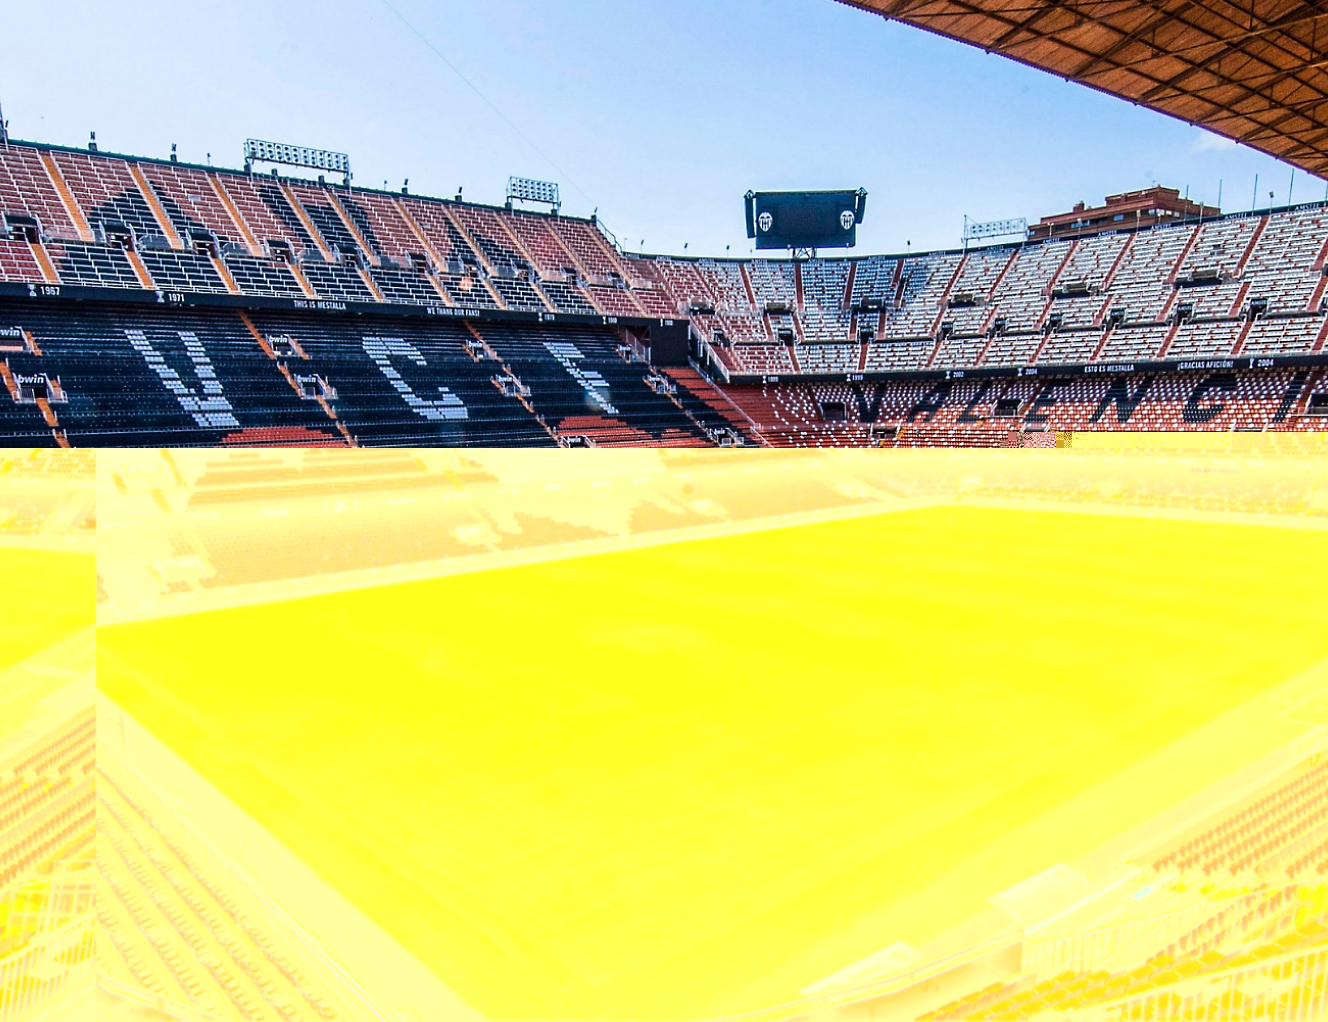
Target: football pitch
{"points": [[690, 779], [48, 597]]}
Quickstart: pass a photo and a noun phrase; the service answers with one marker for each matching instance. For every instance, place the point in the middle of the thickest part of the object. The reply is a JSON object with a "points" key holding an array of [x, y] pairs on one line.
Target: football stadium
{"points": [[922, 634], [153, 302], [678, 735]]}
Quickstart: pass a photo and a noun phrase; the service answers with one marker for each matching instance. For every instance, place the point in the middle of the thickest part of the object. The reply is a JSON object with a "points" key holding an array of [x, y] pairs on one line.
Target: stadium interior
{"points": [[982, 674], [148, 302], [639, 839]]}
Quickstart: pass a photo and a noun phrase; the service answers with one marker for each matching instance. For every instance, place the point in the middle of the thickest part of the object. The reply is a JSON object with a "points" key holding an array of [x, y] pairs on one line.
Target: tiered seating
{"points": [[1205, 339], [445, 241], [648, 287], [26, 188], [772, 282], [576, 374], [958, 352], [925, 280], [566, 298], [468, 290], [1283, 336], [1216, 253], [336, 282], [683, 280], [826, 325], [1092, 260], [824, 283], [1219, 245], [179, 928], [317, 204], [656, 302], [1290, 293], [976, 412], [832, 415], [17, 263], [1127, 343], [1142, 287], [1012, 350], [899, 356], [974, 284], [783, 326], [1089, 266], [458, 269], [1071, 347], [381, 224], [766, 359], [92, 265], [190, 377], [1234, 287], [828, 358], [550, 255], [486, 229], [723, 280], [1021, 296], [1079, 312], [874, 281], [824, 315], [401, 254], [405, 382], [1215, 301], [20, 424], [707, 405], [614, 301], [54, 830], [262, 277], [1281, 268], [191, 203], [182, 271], [1253, 832], [266, 213], [740, 328], [406, 287], [106, 192], [67, 750], [590, 248]]}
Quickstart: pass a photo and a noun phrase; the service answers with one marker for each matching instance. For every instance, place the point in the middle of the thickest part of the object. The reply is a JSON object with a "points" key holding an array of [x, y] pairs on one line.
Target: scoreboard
{"points": [[805, 219]]}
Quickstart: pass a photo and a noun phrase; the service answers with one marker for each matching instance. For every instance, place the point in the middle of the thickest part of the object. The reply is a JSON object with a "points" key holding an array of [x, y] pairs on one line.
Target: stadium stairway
{"points": [[580, 385], [710, 407], [191, 377], [405, 382], [176, 929]]}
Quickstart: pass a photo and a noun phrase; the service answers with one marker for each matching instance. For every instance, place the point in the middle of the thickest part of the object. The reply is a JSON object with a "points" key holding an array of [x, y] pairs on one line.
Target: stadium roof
{"points": [[1253, 70]]}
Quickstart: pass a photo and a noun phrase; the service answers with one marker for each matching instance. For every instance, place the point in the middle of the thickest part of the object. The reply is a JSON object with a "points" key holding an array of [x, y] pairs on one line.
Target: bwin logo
{"points": [[765, 221], [846, 220]]}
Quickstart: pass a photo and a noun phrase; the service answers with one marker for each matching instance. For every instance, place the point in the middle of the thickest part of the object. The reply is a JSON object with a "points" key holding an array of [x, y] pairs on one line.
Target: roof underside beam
{"points": [[1254, 71]]}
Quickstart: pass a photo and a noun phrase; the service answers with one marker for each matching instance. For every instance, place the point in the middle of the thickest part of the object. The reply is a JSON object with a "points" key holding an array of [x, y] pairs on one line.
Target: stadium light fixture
{"points": [[975, 231], [525, 189], [258, 151]]}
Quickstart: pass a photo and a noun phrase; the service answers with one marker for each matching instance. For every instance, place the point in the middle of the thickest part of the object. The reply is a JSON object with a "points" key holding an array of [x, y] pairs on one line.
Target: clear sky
{"points": [[659, 113]]}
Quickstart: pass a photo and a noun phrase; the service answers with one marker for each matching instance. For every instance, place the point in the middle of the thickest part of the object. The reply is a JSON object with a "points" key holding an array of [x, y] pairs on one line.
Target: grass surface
{"points": [[47, 597], [644, 784]]}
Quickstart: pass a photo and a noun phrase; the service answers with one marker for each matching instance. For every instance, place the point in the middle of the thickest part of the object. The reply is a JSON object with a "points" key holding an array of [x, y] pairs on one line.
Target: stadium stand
{"points": [[47, 849], [1227, 918], [1241, 295], [177, 925]]}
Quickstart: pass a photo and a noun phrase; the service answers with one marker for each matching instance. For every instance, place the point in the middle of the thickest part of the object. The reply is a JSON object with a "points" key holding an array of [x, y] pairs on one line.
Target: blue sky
{"points": [[659, 114]]}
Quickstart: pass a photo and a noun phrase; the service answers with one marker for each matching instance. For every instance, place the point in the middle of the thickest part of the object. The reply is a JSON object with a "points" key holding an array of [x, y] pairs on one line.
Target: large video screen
{"points": [[805, 219]]}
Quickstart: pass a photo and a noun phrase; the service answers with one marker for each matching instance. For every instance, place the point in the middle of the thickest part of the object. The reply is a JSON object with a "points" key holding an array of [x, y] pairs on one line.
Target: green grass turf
{"points": [[643, 784], [47, 597]]}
